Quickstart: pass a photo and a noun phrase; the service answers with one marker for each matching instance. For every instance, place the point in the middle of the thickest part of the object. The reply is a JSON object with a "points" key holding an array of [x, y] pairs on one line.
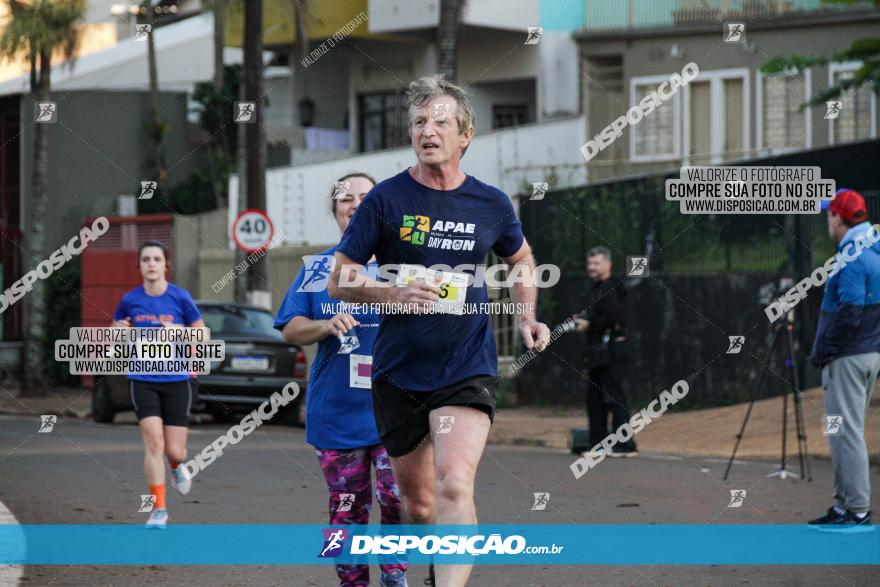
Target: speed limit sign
{"points": [[252, 230]]}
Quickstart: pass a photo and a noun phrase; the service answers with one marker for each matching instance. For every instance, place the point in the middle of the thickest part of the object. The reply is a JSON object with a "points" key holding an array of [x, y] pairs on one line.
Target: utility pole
{"points": [[255, 142]]}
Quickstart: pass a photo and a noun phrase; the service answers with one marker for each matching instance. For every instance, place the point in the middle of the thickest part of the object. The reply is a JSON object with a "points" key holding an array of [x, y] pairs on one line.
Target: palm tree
{"points": [[37, 29], [218, 159], [219, 10], [155, 127], [447, 38]]}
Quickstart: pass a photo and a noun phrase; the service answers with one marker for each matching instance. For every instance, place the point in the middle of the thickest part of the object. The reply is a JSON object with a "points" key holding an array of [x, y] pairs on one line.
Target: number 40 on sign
{"points": [[252, 230]]}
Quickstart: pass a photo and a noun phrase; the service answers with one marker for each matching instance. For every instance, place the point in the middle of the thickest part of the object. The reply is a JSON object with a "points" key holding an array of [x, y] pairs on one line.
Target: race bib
{"points": [[453, 286], [360, 367]]}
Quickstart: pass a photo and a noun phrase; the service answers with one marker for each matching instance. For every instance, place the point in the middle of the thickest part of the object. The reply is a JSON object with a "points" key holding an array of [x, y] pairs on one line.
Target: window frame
{"points": [[759, 112], [654, 80], [716, 79], [361, 111], [511, 106], [834, 68]]}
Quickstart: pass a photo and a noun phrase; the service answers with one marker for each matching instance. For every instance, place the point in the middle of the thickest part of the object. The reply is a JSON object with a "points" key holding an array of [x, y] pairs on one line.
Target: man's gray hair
{"points": [[424, 89], [600, 251]]}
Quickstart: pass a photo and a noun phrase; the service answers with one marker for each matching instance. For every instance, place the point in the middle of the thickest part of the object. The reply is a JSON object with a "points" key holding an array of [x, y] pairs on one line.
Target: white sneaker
{"points": [[158, 519], [595, 453], [181, 480]]}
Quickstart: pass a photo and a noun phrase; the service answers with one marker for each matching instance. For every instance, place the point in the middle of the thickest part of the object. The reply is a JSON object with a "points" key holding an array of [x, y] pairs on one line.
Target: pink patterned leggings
{"points": [[348, 478]]}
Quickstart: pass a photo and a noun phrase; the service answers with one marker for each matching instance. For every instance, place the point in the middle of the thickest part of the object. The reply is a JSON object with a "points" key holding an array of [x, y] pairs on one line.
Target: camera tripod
{"points": [[803, 453]]}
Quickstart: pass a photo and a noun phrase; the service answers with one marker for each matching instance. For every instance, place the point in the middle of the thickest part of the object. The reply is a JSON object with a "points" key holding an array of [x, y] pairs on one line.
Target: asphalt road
{"points": [[86, 473]]}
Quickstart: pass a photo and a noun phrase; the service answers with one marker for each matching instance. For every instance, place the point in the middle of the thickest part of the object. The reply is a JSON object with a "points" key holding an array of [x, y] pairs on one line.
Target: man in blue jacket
{"points": [[847, 348]]}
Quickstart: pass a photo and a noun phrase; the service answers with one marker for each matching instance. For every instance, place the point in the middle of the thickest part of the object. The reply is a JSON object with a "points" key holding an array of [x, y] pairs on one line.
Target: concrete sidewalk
{"points": [[710, 432]]}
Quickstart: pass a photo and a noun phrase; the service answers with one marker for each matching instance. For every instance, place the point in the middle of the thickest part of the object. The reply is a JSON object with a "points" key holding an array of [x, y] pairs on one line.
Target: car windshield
{"points": [[234, 320]]}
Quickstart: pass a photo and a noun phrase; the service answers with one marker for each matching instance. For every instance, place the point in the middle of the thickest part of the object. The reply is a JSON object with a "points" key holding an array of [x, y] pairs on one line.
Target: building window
{"points": [[383, 121], [509, 115], [854, 121], [716, 117], [655, 135], [784, 123]]}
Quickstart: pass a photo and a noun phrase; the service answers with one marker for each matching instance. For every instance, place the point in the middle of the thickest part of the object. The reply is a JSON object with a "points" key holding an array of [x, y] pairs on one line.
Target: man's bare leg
{"points": [[456, 457]]}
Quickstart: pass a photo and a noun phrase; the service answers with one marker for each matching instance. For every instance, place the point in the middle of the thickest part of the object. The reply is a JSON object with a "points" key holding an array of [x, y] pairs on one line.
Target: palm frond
{"points": [[42, 26]]}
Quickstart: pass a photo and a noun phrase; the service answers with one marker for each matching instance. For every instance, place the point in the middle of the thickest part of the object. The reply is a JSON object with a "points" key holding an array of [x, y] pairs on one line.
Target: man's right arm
{"points": [[609, 308], [348, 284]]}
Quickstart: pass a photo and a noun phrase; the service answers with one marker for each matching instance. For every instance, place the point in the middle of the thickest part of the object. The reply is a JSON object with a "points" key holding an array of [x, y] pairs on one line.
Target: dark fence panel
{"points": [[705, 276], [678, 328]]}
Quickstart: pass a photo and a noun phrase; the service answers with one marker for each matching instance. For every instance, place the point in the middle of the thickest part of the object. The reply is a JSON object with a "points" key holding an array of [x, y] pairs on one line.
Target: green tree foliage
{"points": [[37, 30], [206, 188], [866, 50]]}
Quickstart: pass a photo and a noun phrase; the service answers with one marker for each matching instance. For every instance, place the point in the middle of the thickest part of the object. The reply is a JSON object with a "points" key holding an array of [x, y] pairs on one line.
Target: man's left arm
{"points": [[525, 294]]}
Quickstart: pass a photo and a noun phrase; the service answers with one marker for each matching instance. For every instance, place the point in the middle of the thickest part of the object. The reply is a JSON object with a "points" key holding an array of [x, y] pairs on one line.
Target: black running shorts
{"points": [[402, 416], [170, 400]]}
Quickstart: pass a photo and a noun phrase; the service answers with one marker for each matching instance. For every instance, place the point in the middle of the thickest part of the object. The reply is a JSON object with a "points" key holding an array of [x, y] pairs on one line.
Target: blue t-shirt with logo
{"points": [[146, 311], [339, 405], [403, 221]]}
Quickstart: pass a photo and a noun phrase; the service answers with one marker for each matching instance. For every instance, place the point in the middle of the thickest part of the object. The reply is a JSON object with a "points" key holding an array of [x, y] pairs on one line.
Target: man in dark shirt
{"points": [[604, 322]]}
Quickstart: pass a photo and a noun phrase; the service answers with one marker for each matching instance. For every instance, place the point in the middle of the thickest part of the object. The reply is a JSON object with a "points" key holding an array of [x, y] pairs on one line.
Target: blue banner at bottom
{"points": [[656, 544]]}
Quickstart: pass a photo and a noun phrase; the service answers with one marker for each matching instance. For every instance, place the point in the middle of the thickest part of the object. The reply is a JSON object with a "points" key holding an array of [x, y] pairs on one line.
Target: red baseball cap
{"points": [[849, 205]]}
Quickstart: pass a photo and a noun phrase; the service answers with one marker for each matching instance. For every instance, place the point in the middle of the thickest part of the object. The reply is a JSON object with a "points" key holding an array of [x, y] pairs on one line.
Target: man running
{"points": [[161, 402], [432, 366]]}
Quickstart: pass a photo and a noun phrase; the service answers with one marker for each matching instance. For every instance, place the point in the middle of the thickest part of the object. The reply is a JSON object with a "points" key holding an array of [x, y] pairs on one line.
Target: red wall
{"points": [[110, 265]]}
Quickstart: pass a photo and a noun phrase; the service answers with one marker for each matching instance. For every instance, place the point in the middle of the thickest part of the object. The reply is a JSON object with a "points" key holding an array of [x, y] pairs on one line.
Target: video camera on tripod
{"points": [[767, 294]]}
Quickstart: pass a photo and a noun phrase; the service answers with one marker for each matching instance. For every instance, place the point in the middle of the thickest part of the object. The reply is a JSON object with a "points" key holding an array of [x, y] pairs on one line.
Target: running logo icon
{"points": [[141, 32], [736, 498], [45, 112], [637, 266], [534, 35], [334, 542], [348, 342], [148, 190], [47, 423], [346, 500], [833, 424], [446, 423], [245, 111], [539, 189], [440, 112], [147, 503], [541, 500], [735, 31], [832, 109], [415, 228], [317, 269], [340, 188], [736, 344]]}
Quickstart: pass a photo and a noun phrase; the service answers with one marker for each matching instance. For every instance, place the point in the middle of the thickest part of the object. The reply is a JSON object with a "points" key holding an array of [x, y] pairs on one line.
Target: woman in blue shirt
{"points": [[339, 410], [161, 402]]}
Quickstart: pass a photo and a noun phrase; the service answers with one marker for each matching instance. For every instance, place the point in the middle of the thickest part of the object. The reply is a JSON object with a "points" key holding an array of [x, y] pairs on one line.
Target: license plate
{"points": [[240, 363]]}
